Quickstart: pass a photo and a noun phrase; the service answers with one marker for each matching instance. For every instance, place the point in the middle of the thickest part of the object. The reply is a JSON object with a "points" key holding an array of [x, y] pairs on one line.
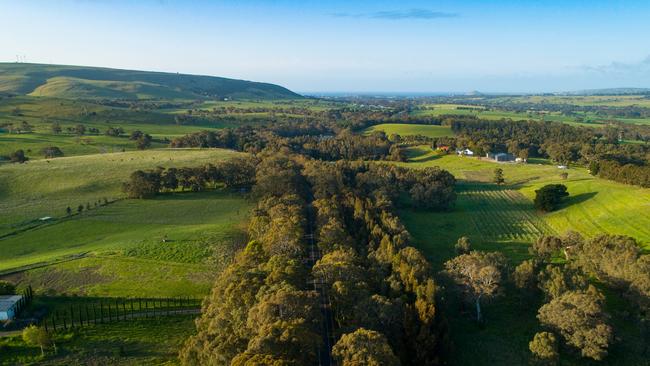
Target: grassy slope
{"points": [[189, 221], [122, 239], [94, 82], [137, 342], [591, 120], [41, 188], [484, 210], [42, 112], [595, 205], [405, 130]]}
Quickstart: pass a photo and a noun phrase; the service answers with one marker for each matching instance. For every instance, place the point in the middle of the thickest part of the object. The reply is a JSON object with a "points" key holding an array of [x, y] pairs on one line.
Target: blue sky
{"points": [[310, 46]]}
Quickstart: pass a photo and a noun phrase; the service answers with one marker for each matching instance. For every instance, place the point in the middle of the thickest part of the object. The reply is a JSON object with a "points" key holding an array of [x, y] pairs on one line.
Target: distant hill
{"points": [[95, 82], [610, 91]]}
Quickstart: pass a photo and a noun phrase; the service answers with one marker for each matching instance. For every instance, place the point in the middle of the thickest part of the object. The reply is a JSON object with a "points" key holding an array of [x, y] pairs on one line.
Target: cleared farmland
{"points": [[411, 129]]}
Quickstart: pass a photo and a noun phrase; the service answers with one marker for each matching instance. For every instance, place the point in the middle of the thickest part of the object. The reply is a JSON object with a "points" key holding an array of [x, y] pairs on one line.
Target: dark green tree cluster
{"points": [[260, 311], [636, 173], [114, 131], [381, 288], [234, 173], [52, 152], [316, 141], [574, 308], [550, 196], [17, 156]]}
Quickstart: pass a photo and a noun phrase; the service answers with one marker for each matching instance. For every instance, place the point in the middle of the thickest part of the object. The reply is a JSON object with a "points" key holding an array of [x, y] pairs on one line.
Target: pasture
{"points": [[46, 187], [134, 342], [42, 113], [502, 218], [410, 129], [587, 119], [595, 205], [190, 223], [115, 249]]}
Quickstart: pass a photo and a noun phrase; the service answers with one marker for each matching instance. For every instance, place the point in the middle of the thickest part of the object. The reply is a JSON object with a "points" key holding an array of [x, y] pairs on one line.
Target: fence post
{"points": [[71, 317], [81, 321]]}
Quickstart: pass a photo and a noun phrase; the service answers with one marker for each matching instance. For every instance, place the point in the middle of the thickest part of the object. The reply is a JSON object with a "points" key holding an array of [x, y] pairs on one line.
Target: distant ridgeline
{"points": [[98, 83]]}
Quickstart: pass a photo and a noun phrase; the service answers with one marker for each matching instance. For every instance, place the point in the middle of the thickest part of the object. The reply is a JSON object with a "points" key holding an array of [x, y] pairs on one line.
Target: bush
{"points": [[7, 288], [52, 152]]}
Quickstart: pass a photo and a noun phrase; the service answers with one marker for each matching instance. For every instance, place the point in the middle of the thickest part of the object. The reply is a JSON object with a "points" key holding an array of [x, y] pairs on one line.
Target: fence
{"points": [[79, 315]]}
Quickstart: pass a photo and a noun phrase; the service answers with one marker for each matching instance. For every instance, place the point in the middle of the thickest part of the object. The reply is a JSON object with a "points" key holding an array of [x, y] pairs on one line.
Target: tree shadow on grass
{"points": [[577, 199], [425, 159]]}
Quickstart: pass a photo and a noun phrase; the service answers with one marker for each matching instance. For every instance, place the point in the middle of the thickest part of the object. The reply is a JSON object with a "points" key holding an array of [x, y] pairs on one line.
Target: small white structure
{"points": [[562, 167], [467, 152], [9, 306], [520, 160]]}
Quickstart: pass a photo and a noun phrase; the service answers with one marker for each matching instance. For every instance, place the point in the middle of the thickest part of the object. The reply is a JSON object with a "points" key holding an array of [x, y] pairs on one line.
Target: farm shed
{"points": [[500, 156], [9, 306]]}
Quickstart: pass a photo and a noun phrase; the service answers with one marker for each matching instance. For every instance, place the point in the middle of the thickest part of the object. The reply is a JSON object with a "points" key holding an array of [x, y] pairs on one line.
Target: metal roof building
{"points": [[9, 306]]}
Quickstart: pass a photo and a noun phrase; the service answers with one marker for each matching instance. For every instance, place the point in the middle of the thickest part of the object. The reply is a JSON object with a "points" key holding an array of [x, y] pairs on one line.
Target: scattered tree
{"points": [[56, 128], [498, 176], [525, 276], [544, 348], [52, 152], [579, 318], [18, 156], [7, 288], [478, 274], [80, 129], [37, 336], [143, 142], [463, 245], [548, 197]]}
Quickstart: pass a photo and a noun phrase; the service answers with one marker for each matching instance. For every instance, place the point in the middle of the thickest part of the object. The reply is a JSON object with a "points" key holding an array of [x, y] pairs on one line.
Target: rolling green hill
{"points": [[95, 82]]}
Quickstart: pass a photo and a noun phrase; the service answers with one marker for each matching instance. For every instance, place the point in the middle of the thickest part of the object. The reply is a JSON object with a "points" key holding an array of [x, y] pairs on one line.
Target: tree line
{"points": [[263, 310], [238, 172], [601, 150]]}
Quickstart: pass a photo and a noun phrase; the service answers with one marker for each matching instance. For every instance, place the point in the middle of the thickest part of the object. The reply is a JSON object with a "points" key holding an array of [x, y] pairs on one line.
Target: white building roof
{"points": [[8, 301]]}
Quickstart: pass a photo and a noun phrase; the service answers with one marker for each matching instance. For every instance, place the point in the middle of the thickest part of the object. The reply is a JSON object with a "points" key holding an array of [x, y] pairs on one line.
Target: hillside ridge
{"points": [[65, 81]]}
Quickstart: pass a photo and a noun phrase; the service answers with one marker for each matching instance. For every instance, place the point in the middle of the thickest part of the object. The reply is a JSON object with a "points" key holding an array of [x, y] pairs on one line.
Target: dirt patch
{"points": [[52, 280]]}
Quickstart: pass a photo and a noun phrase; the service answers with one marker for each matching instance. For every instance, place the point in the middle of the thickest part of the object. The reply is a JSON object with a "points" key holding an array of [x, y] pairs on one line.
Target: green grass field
{"points": [[189, 221], [41, 113], [45, 188], [136, 342], [582, 100], [504, 219], [595, 205], [588, 119], [410, 129], [117, 248]]}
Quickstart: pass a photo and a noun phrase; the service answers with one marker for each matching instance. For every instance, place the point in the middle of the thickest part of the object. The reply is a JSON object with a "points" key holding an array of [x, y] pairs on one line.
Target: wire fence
{"points": [[113, 310]]}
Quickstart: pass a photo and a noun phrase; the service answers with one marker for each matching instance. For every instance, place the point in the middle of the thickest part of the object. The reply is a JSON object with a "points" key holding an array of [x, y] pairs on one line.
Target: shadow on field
{"points": [[578, 198], [419, 159]]}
